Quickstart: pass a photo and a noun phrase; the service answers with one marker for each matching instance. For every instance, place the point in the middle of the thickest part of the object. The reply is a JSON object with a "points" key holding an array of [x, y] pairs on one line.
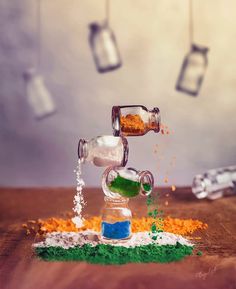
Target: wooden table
{"points": [[20, 269]]}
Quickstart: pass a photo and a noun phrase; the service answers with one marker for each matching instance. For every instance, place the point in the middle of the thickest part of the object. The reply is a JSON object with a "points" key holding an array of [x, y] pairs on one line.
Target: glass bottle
{"points": [[193, 70], [38, 95], [120, 182], [103, 151], [215, 183], [116, 220], [104, 47], [134, 120]]}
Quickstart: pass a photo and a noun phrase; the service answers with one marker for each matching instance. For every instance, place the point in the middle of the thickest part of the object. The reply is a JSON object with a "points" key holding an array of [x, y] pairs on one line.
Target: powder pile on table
{"points": [[87, 246], [184, 227]]}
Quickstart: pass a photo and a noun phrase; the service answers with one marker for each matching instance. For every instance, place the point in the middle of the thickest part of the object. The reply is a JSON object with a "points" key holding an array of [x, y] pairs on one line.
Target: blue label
{"points": [[118, 230]]}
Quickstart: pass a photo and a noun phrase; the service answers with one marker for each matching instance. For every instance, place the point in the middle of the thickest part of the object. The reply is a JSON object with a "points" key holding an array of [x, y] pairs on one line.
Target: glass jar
{"points": [[104, 151], [193, 70], [104, 47], [119, 182], [134, 120], [38, 96], [116, 219], [215, 183]]}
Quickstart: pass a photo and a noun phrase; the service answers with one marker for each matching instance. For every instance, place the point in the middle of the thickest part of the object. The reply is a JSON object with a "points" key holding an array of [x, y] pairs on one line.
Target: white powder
{"points": [[79, 202], [70, 239]]}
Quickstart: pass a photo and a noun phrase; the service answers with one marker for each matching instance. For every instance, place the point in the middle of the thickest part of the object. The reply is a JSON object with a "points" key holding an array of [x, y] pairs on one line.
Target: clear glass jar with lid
{"points": [[134, 120], [104, 151], [116, 220], [119, 182], [215, 183], [193, 70], [104, 47]]}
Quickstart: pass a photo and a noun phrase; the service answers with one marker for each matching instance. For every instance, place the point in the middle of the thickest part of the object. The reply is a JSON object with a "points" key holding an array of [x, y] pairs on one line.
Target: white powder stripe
{"points": [[68, 240]]}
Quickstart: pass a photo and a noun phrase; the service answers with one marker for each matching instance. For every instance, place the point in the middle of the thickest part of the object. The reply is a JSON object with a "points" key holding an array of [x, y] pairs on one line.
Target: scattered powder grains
{"points": [[108, 254], [86, 246], [78, 199], [65, 242], [182, 227]]}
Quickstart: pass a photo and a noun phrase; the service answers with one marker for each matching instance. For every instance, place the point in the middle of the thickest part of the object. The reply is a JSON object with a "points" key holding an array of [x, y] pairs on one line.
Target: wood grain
{"points": [[20, 269]]}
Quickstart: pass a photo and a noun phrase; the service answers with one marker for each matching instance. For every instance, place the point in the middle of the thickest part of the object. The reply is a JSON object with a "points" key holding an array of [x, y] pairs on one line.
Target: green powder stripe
{"points": [[108, 254]]}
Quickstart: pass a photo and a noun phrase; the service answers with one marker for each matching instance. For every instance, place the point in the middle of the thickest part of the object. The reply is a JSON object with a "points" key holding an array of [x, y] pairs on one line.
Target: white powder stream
{"points": [[68, 240], [79, 202]]}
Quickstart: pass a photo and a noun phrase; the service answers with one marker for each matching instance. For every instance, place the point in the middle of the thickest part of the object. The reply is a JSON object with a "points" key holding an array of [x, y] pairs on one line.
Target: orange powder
{"points": [[172, 225]]}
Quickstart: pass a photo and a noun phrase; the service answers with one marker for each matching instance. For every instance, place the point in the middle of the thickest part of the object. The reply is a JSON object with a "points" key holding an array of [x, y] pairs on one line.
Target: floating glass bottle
{"points": [[116, 219], [193, 70], [134, 120], [104, 151], [39, 98], [215, 183], [104, 47], [119, 182]]}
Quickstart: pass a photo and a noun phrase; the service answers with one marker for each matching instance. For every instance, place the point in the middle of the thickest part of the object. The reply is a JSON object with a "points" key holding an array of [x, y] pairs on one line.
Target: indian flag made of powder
{"points": [[87, 246]]}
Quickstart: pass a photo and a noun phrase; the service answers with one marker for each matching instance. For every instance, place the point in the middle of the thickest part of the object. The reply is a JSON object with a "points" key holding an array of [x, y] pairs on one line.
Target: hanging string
{"points": [[107, 8], [39, 34], [191, 28]]}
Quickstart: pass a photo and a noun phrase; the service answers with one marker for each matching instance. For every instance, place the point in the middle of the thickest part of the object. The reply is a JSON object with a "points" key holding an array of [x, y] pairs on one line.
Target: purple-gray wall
{"points": [[153, 39]]}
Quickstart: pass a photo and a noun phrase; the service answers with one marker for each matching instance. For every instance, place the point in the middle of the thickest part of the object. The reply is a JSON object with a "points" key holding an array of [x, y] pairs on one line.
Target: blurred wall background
{"points": [[153, 39]]}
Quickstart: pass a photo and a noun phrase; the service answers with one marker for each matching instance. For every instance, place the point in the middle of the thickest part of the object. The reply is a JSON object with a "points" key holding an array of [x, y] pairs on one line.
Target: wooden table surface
{"points": [[20, 269]]}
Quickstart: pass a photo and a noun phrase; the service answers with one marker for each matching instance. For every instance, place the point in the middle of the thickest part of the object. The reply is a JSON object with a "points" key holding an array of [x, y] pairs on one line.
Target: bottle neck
{"points": [[116, 201], [199, 49], [82, 150], [154, 119]]}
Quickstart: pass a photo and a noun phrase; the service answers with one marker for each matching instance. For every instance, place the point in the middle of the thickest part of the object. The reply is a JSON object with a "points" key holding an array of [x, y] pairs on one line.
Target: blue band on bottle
{"points": [[118, 230]]}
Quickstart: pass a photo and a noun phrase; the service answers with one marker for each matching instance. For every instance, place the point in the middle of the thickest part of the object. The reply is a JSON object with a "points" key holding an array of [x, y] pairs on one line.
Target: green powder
{"points": [[153, 211], [127, 188], [108, 254]]}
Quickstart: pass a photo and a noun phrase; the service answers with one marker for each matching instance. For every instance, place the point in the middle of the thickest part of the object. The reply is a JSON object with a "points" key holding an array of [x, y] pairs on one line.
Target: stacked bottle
{"points": [[119, 184]]}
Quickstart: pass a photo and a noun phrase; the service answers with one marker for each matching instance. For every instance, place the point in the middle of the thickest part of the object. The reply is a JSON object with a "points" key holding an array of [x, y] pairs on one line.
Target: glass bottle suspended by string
{"points": [[38, 96], [194, 65], [103, 45], [215, 183]]}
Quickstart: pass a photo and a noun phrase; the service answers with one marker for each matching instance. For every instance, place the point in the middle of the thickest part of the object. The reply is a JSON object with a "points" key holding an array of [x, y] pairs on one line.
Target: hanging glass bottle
{"points": [[135, 120], [193, 70], [215, 183], [38, 96], [194, 65], [103, 45], [104, 151]]}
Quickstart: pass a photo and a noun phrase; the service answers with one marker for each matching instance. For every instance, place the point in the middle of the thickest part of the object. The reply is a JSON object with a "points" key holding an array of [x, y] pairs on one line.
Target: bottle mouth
{"points": [[82, 150], [156, 118], [115, 116], [199, 187], [95, 26], [196, 47], [147, 183], [116, 200]]}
